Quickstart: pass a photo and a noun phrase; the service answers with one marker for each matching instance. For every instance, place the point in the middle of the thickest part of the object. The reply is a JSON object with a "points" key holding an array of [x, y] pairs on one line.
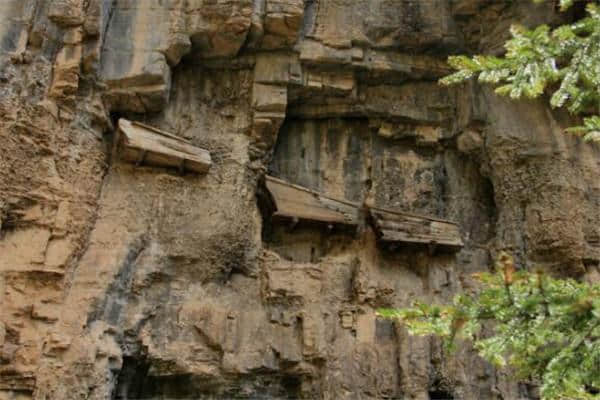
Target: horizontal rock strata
{"points": [[123, 281]]}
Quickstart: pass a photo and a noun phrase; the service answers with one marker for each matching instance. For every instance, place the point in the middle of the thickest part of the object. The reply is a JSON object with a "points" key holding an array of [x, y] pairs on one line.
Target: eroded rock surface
{"points": [[123, 282]]}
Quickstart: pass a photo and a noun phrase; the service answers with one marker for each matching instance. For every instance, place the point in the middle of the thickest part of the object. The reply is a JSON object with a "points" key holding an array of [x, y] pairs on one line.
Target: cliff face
{"points": [[122, 281]]}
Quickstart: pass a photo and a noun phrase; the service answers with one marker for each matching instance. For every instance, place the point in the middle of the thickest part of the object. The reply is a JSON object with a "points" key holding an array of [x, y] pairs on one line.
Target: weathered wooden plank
{"points": [[393, 226], [424, 226], [159, 131], [143, 144], [396, 214], [298, 202], [395, 236]]}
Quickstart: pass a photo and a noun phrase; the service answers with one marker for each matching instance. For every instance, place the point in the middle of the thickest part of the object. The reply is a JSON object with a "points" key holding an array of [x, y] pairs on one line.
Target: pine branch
{"points": [[563, 62]]}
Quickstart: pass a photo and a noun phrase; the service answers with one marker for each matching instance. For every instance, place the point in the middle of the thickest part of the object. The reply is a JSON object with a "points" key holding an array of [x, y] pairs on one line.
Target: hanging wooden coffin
{"points": [[394, 227], [297, 202], [143, 144]]}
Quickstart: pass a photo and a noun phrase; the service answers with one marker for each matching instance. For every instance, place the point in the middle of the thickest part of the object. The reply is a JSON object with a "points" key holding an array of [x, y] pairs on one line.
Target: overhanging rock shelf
{"points": [[142, 144], [289, 201]]}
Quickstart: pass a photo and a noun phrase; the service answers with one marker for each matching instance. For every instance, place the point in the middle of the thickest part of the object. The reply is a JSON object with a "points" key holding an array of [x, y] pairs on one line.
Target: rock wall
{"points": [[124, 282]]}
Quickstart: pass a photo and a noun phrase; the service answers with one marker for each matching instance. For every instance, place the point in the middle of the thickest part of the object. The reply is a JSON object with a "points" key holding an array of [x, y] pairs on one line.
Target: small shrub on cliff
{"points": [[546, 329], [564, 61]]}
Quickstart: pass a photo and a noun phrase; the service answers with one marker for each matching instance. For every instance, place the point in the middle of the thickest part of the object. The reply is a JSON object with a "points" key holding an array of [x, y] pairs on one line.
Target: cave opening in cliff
{"points": [[291, 385], [439, 391], [134, 382], [130, 380]]}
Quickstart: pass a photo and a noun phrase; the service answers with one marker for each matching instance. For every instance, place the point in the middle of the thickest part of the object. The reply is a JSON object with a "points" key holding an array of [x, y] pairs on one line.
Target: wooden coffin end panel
{"points": [[142, 144], [398, 227], [292, 201]]}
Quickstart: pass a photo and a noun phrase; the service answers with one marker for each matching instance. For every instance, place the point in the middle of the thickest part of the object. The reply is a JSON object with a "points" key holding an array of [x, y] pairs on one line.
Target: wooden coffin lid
{"points": [[295, 201], [156, 147], [395, 226]]}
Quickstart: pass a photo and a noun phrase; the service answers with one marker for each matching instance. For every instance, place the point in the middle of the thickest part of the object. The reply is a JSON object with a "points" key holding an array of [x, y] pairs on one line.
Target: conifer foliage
{"points": [[546, 329], [564, 62]]}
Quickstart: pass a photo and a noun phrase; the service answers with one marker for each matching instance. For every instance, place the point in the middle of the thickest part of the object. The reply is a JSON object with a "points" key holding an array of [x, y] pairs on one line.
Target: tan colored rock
{"points": [[63, 215], [45, 312], [313, 335], [285, 343], [342, 82], [274, 68], [365, 326], [92, 24], [66, 71], [302, 281], [66, 12], [386, 130], [428, 135], [73, 36], [24, 250], [2, 333], [113, 274], [347, 319], [379, 23], [211, 323], [133, 61], [58, 252], [282, 22], [469, 141], [269, 98], [219, 29], [316, 52]]}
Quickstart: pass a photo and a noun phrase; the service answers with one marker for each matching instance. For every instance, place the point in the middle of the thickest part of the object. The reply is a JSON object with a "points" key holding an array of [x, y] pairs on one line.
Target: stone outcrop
{"points": [[121, 281]]}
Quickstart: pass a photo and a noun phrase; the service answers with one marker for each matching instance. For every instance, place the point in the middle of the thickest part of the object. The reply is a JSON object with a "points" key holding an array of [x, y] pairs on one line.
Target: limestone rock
{"points": [[282, 22], [219, 28], [66, 71], [269, 98], [289, 280], [15, 34], [66, 12], [128, 281], [469, 141]]}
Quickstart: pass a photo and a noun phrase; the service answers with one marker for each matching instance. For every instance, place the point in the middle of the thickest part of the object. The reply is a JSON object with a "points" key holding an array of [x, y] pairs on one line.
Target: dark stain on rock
{"points": [[116, 296]]}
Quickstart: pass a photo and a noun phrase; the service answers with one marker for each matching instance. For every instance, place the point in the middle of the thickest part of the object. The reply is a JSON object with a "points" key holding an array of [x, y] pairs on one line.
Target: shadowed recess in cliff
{"points": [[348, 158], [440, 395], [135, 382], [131, 378]]}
